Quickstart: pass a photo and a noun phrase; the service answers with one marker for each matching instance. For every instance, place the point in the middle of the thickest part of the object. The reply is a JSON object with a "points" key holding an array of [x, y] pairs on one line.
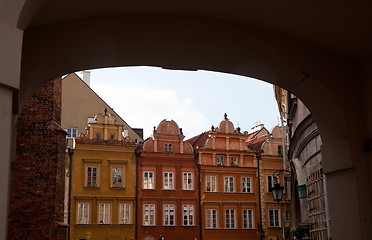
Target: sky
{"points": [[196, 100]]}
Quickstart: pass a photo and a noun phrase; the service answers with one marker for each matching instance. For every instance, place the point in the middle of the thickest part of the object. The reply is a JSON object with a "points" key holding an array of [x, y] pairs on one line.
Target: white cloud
{"points": [[144, 107]]}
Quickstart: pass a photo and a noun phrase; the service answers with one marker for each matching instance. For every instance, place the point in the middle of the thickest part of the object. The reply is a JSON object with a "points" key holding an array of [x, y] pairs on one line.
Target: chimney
{"points": [[86, 77]]}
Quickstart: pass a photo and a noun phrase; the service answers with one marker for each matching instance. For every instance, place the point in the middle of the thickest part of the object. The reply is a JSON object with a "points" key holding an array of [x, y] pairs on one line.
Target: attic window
{"points": [[112, 136], [220, 160], [168, 147], [98, 135]]}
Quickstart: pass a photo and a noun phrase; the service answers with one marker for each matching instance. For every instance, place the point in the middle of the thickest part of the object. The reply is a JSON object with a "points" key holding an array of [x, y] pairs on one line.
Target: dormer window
{"points": [[220, 160], [168, 147]]}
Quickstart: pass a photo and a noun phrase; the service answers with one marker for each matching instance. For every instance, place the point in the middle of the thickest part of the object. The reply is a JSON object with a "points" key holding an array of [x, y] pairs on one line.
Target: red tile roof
{"points": [[248, 137], [126, 143], [199, 140], [255, 144]]}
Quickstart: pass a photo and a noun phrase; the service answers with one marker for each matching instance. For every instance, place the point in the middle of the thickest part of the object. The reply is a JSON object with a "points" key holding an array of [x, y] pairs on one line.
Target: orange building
{"points": [[168, 190], [269, 146], [228, 184]]}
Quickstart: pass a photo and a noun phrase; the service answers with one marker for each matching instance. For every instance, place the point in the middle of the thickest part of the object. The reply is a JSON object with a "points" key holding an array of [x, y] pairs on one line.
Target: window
{"points": [[168, 214], [117, 177], [234, 161], [92, 173], [188, 215], [229, 184], [211, 184], [148, 180], [230, 218], [280, 149], [83, 213], [211, 218], [98, 135], [72, 132], [104, 213], [246, 184], [168, 147], [124, 214], [149, 214], [287, 181], [220, 160], [112, 136], [187, 181], [270, 182], [274, 220], [168, 180], [247, 218]]}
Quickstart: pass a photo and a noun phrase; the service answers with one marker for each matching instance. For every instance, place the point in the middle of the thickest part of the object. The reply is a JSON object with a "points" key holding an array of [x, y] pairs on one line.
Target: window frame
{"points": [[249, 221], [167, 211], [78, 213], [168, 147], [122, 177], [229, 214], [209, 222], [189, 176], [172, 182], [123, 213], [189, 208], [149, 214], [250, 185], [212, 179], [218, 160], [272, 181], [235, 159], [229, 184], [153, 179], [273, 210], [105, 204], [70, 132]]}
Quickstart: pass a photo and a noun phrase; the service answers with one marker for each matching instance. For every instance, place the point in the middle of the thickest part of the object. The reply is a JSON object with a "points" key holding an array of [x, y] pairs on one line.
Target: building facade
{"points": [[309, 207], [80, 104], [228, 184], [103, 183], [167, 186], [270, 152]]}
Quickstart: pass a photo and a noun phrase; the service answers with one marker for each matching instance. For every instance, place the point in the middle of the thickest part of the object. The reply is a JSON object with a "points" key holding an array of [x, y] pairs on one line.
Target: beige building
{"points": [[80, 104], [307, 167]]}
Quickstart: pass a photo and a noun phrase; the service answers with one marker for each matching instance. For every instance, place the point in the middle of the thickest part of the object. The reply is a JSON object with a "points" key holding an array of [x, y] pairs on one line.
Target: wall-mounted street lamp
{"points": [[277, 190]]}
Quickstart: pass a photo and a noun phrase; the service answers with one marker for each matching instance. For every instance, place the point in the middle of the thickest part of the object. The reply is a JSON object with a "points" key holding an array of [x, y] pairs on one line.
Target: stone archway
{"points": [[181, 41]]}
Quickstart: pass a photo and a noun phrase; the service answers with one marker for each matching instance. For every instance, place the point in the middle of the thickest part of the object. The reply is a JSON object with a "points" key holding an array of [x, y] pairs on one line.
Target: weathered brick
{"points": [[37, 180]]}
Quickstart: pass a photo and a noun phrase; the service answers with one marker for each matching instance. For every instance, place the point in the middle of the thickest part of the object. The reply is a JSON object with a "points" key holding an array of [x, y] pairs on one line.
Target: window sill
{"points": [[92, 187], [117, 187]]}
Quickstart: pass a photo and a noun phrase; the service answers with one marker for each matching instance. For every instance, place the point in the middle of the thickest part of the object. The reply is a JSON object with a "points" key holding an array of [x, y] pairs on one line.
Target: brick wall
{"points": [[37, 181]]}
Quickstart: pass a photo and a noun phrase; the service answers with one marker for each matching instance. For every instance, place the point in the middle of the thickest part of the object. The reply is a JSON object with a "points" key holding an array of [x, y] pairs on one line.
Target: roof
{"points": [[199, 140], [248, 137], [255, 144], [125, 143]]}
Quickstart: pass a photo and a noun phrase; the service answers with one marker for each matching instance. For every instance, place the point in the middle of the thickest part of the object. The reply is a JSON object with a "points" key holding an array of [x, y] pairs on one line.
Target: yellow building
{"points": [[269, 146], [103, 189]]}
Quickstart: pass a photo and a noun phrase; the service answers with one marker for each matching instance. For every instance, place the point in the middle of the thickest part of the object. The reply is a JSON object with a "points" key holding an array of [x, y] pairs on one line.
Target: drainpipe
{"points": [[70, 149], [284, 142], [138, 152], [258, 156], [196, 154]]}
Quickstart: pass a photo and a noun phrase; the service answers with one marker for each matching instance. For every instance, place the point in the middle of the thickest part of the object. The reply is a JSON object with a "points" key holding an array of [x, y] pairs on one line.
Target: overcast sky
{"points": [[196, 100]]}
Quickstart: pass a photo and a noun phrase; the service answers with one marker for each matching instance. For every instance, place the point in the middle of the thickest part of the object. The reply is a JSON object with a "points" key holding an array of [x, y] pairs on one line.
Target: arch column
{"points": [[10, 57]]}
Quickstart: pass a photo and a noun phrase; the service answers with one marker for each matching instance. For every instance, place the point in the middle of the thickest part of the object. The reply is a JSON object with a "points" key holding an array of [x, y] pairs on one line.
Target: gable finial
{"points": [[225, 115]]}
